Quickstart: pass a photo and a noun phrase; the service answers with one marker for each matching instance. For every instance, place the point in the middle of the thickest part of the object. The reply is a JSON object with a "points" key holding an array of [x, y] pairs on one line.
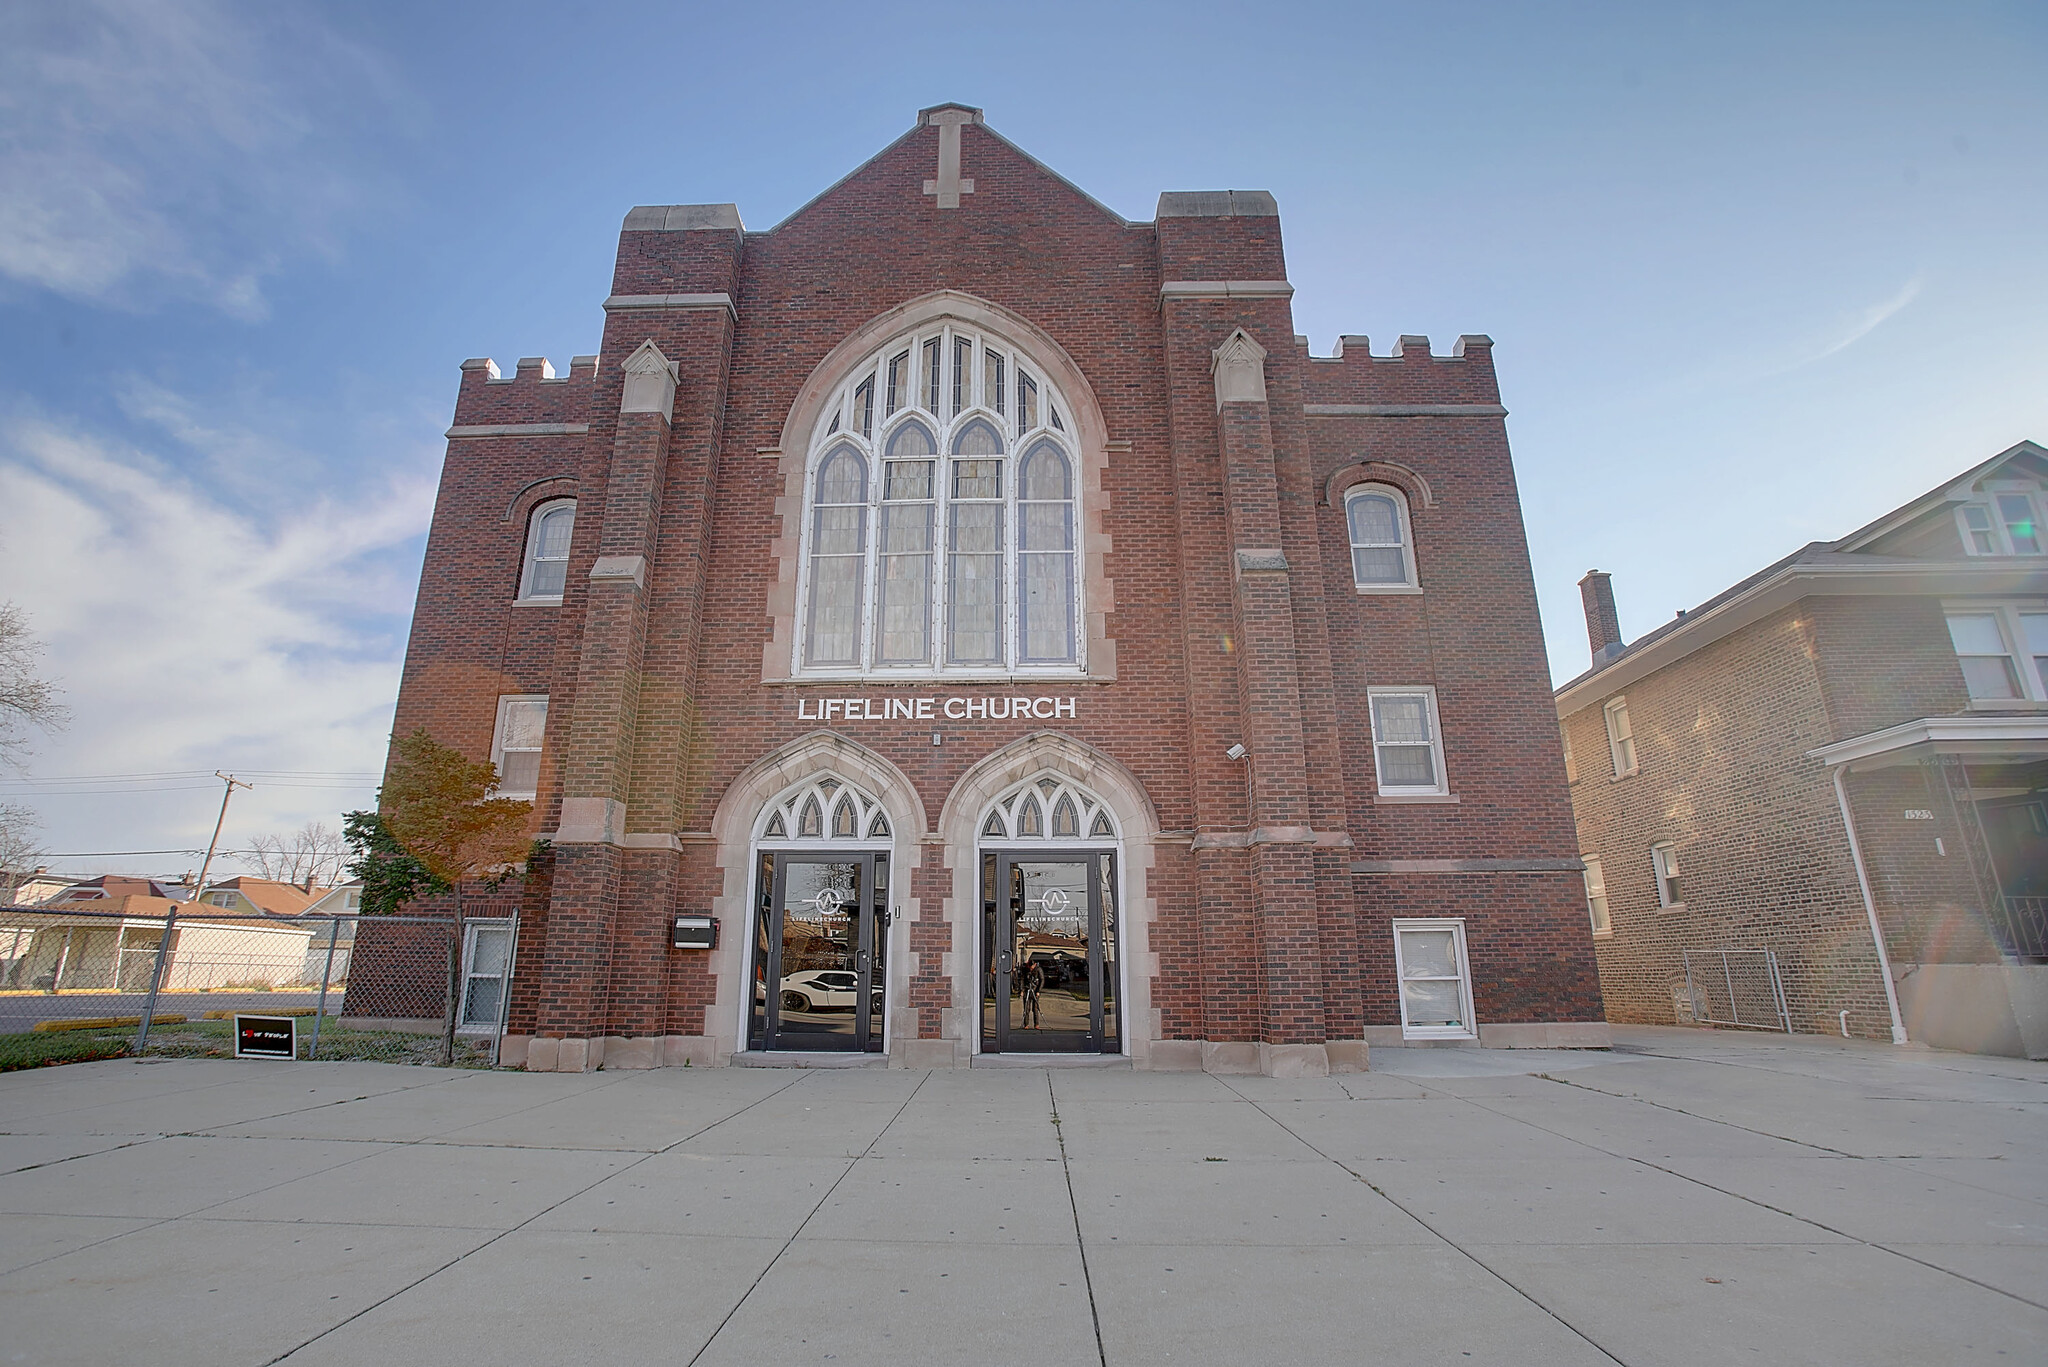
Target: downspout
{"points": [[1884, 959]]}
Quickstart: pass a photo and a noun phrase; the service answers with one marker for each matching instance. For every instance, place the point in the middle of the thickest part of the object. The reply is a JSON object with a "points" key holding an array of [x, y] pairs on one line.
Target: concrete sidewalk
{"points": [[1697, 1198]]}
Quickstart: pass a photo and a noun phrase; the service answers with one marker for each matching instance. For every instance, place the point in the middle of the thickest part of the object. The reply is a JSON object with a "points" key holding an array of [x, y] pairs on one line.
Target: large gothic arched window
{"points": [[941, 520]]}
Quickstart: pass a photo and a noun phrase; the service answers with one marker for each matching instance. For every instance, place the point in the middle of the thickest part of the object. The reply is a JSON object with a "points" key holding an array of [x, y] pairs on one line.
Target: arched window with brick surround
{"points": [[1382, 546], [545, 571], [941, 517]]}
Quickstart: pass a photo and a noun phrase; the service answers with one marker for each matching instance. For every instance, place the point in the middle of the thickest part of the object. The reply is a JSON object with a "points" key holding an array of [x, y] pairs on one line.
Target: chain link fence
{"points": [[1738, 987], [76, 984]]}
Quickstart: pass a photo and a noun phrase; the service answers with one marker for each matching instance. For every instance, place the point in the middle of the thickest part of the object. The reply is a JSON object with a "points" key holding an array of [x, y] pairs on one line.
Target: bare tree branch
{"points": [[19, 848], [314, 851], [25, 699]]}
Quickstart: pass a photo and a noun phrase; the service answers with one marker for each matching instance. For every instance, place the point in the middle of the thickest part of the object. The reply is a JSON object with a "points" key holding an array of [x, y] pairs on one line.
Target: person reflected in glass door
{"points": [[1034, 984]]}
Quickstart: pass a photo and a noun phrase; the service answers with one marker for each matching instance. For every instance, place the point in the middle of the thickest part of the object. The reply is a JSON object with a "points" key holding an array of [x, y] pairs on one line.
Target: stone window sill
{"points": [[1411, 799]]}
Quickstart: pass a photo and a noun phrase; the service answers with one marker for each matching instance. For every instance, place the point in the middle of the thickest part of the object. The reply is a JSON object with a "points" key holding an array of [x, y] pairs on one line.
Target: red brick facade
{"points": [[1218, 602]]}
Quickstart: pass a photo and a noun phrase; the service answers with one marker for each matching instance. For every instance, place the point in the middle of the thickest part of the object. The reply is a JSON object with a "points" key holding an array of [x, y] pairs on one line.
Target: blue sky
{"points": [[1755, 274]]}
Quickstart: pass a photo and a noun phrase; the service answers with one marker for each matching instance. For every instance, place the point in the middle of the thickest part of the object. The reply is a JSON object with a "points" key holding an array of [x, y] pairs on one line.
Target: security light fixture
{"points": [[1236, 752]]}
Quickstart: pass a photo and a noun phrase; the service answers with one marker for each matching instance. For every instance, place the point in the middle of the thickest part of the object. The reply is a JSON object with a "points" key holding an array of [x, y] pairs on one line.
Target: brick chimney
{"points": [[1603, 626]]}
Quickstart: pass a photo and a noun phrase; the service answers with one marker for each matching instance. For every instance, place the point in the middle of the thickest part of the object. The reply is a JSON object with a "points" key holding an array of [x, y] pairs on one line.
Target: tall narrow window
{"points": [[1978, 537], [904, 582], [899, 383], [516, 743], [1027, 403], [963, 375], [931, 377], [548, 534], [1407, 750], [992, 381], [1621, 740], [974, 546], [864, 406], [839, 536], [1045, 555], [1596, 897], [1381, 558], [1664, 864]]}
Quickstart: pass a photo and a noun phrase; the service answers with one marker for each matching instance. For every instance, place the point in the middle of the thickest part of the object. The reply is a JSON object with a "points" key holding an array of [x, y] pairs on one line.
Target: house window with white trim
{"points": [[1435, 978], [942, 543], [1407, 745], [1382, 543], [1596, 897], [1664, 864], [2002, 648], [2005, 523], [516, 745], [548, 533], [1621, 738]]}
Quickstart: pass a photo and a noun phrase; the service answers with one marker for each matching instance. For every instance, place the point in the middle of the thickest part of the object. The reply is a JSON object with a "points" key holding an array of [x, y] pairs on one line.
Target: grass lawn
{"points": [[214, 1039]]}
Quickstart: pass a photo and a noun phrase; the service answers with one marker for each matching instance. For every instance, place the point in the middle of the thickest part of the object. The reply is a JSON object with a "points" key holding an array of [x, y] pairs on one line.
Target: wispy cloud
{"points": [[188, 634], [178, 146], [1863, 323]]}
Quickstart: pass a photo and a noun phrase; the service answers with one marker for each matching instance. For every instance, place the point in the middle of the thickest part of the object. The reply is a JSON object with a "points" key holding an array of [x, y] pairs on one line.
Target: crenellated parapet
{"points": [[533, 393], [1410, 376]]}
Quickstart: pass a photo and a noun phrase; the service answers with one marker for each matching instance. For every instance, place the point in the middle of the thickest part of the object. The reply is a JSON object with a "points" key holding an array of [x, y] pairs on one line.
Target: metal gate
{"points": [[1738, 987]]}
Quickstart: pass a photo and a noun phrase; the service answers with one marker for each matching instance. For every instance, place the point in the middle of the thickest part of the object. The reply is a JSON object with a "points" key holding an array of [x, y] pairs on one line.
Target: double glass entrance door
{"points": [[819, 952], [1049, 952]]}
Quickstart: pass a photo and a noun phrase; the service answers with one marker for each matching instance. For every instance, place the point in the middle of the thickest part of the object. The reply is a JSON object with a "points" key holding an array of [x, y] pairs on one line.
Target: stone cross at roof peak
{"points": [[950, 184]]}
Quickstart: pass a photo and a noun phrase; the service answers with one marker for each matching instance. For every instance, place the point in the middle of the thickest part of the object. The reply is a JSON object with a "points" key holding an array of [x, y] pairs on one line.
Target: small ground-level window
{"points": [[1435, 981], [515, 749], [1664, 863], [1596, 897]]}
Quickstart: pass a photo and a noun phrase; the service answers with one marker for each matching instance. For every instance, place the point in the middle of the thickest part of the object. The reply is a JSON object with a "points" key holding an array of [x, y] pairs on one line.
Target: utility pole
{"points": [[163, 945]]}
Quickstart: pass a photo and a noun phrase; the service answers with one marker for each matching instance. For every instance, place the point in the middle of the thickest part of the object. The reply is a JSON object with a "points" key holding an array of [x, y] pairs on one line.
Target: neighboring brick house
{"points": [[986, 609], [1855, 737]]}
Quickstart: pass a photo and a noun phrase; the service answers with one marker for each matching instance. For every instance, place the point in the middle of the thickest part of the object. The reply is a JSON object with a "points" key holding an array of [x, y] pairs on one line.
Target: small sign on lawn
{"points": [[266, 1036]]}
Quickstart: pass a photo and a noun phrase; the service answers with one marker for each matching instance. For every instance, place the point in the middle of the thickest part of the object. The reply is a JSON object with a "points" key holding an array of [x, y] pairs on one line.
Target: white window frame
{"points": [[1410, 582], [1621, 741], [2008, 613], [1456, 925], [1668, 874], [506, 702], [1442, 786], [473, 929], [2000, 529], [1598, 912], [860, 416], [530, 558]]}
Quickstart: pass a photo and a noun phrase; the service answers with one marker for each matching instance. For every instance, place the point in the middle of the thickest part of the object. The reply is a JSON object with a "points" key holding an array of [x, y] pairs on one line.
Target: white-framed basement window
{"points": [[2002, 648], [1434, 977], [516, 743], [2007, 522], [1407, 742], [1382, 540], [942, 516], [1664, 866], [545, 572], [486, 964], [1621, 738], [1596, 896]]}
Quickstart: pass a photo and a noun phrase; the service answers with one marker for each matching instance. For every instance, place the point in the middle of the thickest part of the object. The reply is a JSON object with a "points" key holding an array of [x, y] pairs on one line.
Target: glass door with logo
{"points": [[818, 970], [1049, 953]]}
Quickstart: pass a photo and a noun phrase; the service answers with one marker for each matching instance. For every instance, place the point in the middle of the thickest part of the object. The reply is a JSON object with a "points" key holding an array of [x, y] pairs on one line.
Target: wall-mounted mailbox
{"points": [[696, 932]]}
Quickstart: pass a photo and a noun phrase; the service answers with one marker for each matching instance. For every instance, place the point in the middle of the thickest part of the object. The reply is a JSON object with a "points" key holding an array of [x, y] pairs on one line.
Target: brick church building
{"points": [[984, 613]]}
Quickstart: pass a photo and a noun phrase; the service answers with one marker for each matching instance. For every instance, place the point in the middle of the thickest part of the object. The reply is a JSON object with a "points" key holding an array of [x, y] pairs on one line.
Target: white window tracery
{"points": [[1050, 810], [941, 519], [825, 811]]}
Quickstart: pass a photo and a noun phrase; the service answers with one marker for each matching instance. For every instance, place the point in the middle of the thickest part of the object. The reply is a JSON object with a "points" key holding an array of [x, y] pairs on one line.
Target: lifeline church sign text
{"points": [[930, 709]]}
